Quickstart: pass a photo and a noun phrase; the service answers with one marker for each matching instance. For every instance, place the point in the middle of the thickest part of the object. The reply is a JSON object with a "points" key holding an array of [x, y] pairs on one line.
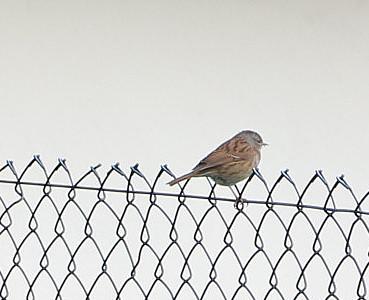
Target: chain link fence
{"points": [[119, 235]]}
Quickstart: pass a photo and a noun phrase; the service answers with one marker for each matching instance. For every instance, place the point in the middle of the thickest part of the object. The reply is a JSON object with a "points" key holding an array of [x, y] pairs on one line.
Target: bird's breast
{"points": [[232, 173]]}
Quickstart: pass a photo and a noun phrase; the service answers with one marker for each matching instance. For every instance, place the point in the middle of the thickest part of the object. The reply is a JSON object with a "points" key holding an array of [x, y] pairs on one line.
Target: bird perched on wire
{"points": [[231, 162]]}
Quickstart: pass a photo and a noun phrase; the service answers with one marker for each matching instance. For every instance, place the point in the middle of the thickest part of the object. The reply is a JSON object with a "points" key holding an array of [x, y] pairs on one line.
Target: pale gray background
{"points": [[160, 82], [166, 81]]}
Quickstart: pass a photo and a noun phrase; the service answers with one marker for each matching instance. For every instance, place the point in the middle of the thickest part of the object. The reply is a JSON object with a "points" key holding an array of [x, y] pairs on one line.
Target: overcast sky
{"points": [[159, 82]]}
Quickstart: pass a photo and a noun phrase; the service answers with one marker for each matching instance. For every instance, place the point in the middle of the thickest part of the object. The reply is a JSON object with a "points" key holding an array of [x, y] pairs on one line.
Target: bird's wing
{"points": [[232, 150]]}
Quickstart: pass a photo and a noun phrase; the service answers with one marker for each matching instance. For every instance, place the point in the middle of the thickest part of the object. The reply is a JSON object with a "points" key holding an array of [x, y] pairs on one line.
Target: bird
{"points": [[230, 163]]}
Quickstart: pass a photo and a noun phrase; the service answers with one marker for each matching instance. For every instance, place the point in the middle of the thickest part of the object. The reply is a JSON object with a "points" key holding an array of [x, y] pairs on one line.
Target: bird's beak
{"points": [[264, 144]]}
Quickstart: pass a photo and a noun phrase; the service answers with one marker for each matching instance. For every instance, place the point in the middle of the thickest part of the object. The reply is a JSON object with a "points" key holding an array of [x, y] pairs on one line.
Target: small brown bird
{"points": [[231, 162]]}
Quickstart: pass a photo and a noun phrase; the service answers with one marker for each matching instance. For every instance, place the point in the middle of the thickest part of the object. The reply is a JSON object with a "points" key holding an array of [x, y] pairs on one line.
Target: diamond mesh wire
{"points": [[117, 236]]}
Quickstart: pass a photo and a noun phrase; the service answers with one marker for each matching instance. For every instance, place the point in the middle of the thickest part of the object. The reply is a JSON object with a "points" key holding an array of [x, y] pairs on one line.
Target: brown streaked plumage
{"points": [[231, 162]]}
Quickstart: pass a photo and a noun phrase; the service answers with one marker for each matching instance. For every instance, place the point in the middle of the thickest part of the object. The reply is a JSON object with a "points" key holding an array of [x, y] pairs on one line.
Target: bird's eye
{"points": [[258, 139]]}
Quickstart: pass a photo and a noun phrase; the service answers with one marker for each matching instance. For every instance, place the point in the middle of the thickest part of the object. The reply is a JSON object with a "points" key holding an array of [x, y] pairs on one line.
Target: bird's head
{"points": [[253, 138]]}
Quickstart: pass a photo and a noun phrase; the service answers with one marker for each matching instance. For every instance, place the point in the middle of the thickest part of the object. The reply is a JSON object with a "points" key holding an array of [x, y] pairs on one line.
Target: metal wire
{"points": [[216, 248]]}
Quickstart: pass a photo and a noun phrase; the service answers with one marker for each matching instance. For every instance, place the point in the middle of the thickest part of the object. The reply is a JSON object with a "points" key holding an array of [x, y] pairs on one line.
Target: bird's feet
{"points": [[239, 203]]}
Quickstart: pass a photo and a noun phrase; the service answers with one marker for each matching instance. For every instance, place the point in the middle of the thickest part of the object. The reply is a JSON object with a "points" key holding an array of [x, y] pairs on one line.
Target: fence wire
{"points": [[117, 236]]}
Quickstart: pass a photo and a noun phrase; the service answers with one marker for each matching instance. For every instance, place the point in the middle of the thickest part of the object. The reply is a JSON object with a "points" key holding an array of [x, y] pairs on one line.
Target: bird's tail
{"points": [[181, 178]]}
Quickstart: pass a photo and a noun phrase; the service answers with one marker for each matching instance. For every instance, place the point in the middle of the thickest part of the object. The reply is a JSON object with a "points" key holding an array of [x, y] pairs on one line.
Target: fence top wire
{"points": [[329, 206]]}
